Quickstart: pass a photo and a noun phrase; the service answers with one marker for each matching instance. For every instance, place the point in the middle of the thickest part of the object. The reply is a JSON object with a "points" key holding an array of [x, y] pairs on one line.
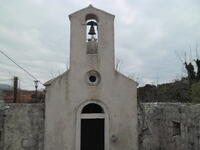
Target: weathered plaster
{"points": [[155, 127]]}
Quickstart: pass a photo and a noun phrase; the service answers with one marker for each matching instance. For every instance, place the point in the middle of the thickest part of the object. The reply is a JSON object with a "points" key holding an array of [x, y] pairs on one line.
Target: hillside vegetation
{"points": [[185, 90]]}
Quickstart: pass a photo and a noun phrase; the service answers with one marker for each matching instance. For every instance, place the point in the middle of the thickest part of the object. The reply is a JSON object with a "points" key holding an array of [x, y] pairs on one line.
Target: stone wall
{"points": [[169, 126], [1, 128], [23, 127], [162, 126]]}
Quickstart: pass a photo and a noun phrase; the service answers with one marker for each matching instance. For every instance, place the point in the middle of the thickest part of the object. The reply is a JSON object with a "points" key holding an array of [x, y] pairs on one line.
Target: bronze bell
{"points": [[92, 30]]}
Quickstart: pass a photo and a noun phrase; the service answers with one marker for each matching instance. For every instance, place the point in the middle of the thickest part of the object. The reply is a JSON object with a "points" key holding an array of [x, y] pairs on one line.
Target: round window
{"points": [[93, 77]]}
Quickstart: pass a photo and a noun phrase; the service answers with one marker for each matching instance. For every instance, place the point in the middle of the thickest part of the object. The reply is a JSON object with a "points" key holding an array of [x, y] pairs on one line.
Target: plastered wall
{"points": [[161, 126]]}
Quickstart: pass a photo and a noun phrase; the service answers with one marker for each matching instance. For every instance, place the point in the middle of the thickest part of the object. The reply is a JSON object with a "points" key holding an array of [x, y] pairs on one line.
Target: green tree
{"points": [[195, 95]]}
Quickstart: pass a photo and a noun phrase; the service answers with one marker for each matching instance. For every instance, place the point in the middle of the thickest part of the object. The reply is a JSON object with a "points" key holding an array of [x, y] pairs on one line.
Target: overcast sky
{"points": [[35, 33]]}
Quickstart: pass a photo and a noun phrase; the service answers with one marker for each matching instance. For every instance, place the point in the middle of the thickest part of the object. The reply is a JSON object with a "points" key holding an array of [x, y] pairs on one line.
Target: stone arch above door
{"points": [[90, 112]]}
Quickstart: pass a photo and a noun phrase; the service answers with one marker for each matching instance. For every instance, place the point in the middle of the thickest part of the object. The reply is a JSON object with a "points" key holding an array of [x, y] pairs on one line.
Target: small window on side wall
{"points": [[176, 128]]}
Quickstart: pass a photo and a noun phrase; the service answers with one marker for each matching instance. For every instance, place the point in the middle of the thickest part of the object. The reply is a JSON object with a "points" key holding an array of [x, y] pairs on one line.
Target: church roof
{"points": [[49, 82], [90, 8]]}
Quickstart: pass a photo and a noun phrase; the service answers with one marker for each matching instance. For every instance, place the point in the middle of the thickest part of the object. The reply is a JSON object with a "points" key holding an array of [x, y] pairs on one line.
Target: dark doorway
{"points": [[92, 134]]}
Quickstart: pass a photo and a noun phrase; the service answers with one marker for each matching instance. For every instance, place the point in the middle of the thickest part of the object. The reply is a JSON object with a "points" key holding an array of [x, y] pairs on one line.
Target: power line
{"points": [[1, 79], [20, 67]]}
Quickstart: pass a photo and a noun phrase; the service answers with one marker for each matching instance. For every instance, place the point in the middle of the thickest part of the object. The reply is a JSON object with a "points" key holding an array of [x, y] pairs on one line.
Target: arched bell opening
{"points": [[92, 127], [91, 27], [91, 33]]}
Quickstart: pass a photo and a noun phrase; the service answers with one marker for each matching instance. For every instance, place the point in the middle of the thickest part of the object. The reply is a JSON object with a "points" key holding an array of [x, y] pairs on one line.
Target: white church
{"points": [[91, 106]]}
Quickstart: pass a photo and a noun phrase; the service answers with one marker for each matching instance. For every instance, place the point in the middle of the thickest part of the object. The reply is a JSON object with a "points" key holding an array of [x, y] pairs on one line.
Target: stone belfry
{"points": [[91, 106]]}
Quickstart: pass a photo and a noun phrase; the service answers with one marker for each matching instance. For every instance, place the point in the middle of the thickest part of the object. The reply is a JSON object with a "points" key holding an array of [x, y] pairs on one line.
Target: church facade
{"points": [[91, 106]]}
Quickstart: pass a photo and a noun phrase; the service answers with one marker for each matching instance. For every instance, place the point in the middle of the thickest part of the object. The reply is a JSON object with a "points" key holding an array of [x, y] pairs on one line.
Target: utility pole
{"points": [[15, 84], [36, 86]]}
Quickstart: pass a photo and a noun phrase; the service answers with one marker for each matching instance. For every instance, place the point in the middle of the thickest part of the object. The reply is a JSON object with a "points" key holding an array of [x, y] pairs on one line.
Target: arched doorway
{"points": [[93, 127]]}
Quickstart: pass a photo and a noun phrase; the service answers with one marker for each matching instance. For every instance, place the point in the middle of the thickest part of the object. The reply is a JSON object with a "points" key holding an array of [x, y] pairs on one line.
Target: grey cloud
{"points": [[36, 34]]}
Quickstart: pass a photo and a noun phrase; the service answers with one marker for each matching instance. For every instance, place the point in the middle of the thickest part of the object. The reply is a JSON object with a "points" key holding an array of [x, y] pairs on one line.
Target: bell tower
{"points": [[91, 106], [92, 36]]}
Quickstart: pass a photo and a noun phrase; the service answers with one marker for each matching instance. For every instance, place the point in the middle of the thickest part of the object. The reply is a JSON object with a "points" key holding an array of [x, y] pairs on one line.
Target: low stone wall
{"points": [[164, 126], [1, 129], [161, 126], [23, 127]]}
